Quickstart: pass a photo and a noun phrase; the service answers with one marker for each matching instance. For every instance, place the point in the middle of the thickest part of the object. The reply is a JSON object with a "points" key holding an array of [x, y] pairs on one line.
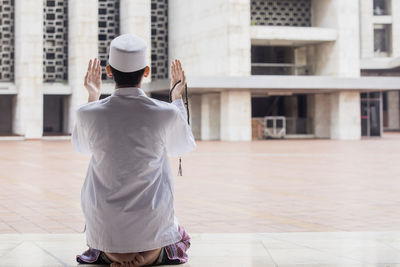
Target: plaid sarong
{"points": [[171, 254]]}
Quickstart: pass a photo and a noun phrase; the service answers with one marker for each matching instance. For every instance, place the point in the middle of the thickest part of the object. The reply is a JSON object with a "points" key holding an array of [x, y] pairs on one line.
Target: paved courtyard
{"points": [[261, 186]]}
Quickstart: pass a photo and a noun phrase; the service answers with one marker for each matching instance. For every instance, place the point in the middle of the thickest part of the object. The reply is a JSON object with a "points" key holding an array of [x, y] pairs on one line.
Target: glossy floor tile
{"points": [[261, 186], [340, 249]]}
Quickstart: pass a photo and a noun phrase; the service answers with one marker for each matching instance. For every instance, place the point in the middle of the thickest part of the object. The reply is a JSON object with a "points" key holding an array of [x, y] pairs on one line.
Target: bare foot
{"points": [[125, 259], [150, 256]]}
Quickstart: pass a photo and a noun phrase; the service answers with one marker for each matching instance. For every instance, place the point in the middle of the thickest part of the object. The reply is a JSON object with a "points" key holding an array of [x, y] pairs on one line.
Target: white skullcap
{"points": [[127, 53]]}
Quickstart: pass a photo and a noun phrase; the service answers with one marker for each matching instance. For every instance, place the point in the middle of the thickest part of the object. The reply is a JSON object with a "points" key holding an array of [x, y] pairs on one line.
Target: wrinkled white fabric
{"points": [[127, 196]]}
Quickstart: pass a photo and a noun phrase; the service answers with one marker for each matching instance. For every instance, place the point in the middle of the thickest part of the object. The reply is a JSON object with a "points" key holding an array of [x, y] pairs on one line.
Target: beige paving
{"points": [[334, 249], [227, 187]]}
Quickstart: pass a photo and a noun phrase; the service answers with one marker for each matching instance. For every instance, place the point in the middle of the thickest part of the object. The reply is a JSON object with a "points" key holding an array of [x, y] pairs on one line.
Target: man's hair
{"points": [[131, 79]]}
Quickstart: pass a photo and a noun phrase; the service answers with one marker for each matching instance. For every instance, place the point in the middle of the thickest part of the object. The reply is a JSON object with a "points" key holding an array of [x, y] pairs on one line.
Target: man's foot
{"points": [[125, 259], [145, 258], [150, 256]]}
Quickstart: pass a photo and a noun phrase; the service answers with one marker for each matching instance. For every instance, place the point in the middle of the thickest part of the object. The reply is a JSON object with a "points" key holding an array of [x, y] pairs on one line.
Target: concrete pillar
{"points": [[195, 115], [345, 116], [396, 28], [135, 17], [82, 46], [236, 116], [322, 115], [210, 116], [340, 59], [28, 106], [367, 29], [393, 110]]}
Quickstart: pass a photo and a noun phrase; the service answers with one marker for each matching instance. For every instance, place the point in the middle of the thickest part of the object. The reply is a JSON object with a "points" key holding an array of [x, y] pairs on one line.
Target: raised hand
{"points": [[93, 80], [177, 74]]}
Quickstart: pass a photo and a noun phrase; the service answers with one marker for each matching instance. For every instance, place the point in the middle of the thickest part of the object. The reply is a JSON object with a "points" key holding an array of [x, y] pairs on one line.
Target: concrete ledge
{"points": [[332, 249], [289, 36], [380, 63], [56, 89], [7, 89], [320, 84], [56, 138], [12, 138]]}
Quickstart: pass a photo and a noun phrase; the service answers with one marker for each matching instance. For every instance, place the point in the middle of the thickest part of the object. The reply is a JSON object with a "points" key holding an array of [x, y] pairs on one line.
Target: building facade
{"points": [[329, 67]]}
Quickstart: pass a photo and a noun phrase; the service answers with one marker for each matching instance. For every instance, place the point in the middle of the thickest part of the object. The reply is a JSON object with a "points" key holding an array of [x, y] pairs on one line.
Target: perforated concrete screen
{"points": [[6, 40], [281, 12], [159, 39], [55, 40], [108, 28]]}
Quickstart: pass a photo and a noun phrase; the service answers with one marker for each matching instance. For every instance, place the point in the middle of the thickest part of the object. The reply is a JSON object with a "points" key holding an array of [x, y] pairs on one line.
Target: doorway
{"points": [[371, 114], [55, 115], [6, 105]]}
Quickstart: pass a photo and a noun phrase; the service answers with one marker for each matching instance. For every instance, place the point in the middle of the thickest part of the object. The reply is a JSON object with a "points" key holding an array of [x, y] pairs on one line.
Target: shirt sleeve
{"points": [[179, 137], [80, 140]]}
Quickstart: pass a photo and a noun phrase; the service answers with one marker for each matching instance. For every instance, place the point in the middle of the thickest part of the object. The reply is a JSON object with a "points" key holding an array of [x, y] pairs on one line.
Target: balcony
{"points": [[291, 36], [279, 60], [279, 69]]}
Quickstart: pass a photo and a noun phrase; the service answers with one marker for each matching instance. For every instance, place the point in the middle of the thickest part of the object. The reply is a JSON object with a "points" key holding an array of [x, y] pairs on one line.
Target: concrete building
{"points": [[329, 67]]}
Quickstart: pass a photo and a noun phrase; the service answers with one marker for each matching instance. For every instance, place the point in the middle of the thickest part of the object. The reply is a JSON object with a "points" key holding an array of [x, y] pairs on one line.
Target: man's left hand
{"points": [[177, 74]]}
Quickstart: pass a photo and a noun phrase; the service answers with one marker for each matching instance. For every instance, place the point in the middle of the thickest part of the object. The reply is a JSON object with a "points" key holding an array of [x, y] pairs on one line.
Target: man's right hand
{"points": [[93, 80], [177, 74]]}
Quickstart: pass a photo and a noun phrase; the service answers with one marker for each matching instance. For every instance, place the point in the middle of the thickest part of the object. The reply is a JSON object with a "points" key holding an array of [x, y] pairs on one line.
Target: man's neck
{"points": [[127, 86]]}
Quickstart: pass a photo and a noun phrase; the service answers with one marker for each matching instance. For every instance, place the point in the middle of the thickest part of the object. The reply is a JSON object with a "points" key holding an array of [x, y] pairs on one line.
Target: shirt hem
{"points": [[147, 247]]}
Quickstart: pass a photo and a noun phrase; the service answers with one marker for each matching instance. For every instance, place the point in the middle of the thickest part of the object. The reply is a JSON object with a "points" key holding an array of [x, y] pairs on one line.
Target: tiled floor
{"points": [[263, 186], [296, 203], [228, 250]]}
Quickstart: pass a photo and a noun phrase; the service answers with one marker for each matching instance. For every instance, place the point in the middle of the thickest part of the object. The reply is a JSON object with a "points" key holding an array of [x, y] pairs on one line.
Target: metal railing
{"points": [[279, 69]]}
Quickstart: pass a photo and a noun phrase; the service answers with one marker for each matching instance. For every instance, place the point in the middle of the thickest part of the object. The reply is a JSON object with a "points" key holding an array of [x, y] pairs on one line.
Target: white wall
{"points": [[211, 37], [340, 58], [367, 29]]}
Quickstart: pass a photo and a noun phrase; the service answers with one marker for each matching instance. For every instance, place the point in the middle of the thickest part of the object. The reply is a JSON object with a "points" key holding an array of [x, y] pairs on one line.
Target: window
{"points": [[7, 41], [55, 41], [382, 40], [159, 39], [381, 7]]}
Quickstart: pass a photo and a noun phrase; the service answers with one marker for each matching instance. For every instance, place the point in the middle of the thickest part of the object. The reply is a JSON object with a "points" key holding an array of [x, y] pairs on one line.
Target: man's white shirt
{"points": [[127, 196]]}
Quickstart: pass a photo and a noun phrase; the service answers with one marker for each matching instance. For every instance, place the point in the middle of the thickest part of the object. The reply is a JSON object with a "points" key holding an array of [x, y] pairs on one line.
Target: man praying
{"points": [[127, 197]]}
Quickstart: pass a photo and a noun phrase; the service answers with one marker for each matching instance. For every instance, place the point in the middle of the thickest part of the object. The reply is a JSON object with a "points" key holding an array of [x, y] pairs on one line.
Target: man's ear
{"points": [[146, 71], [109, 73]]}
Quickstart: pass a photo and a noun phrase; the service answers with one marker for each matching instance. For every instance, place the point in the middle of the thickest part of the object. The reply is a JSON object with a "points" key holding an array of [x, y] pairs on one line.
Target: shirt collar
{"points": [[129, 91]]}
